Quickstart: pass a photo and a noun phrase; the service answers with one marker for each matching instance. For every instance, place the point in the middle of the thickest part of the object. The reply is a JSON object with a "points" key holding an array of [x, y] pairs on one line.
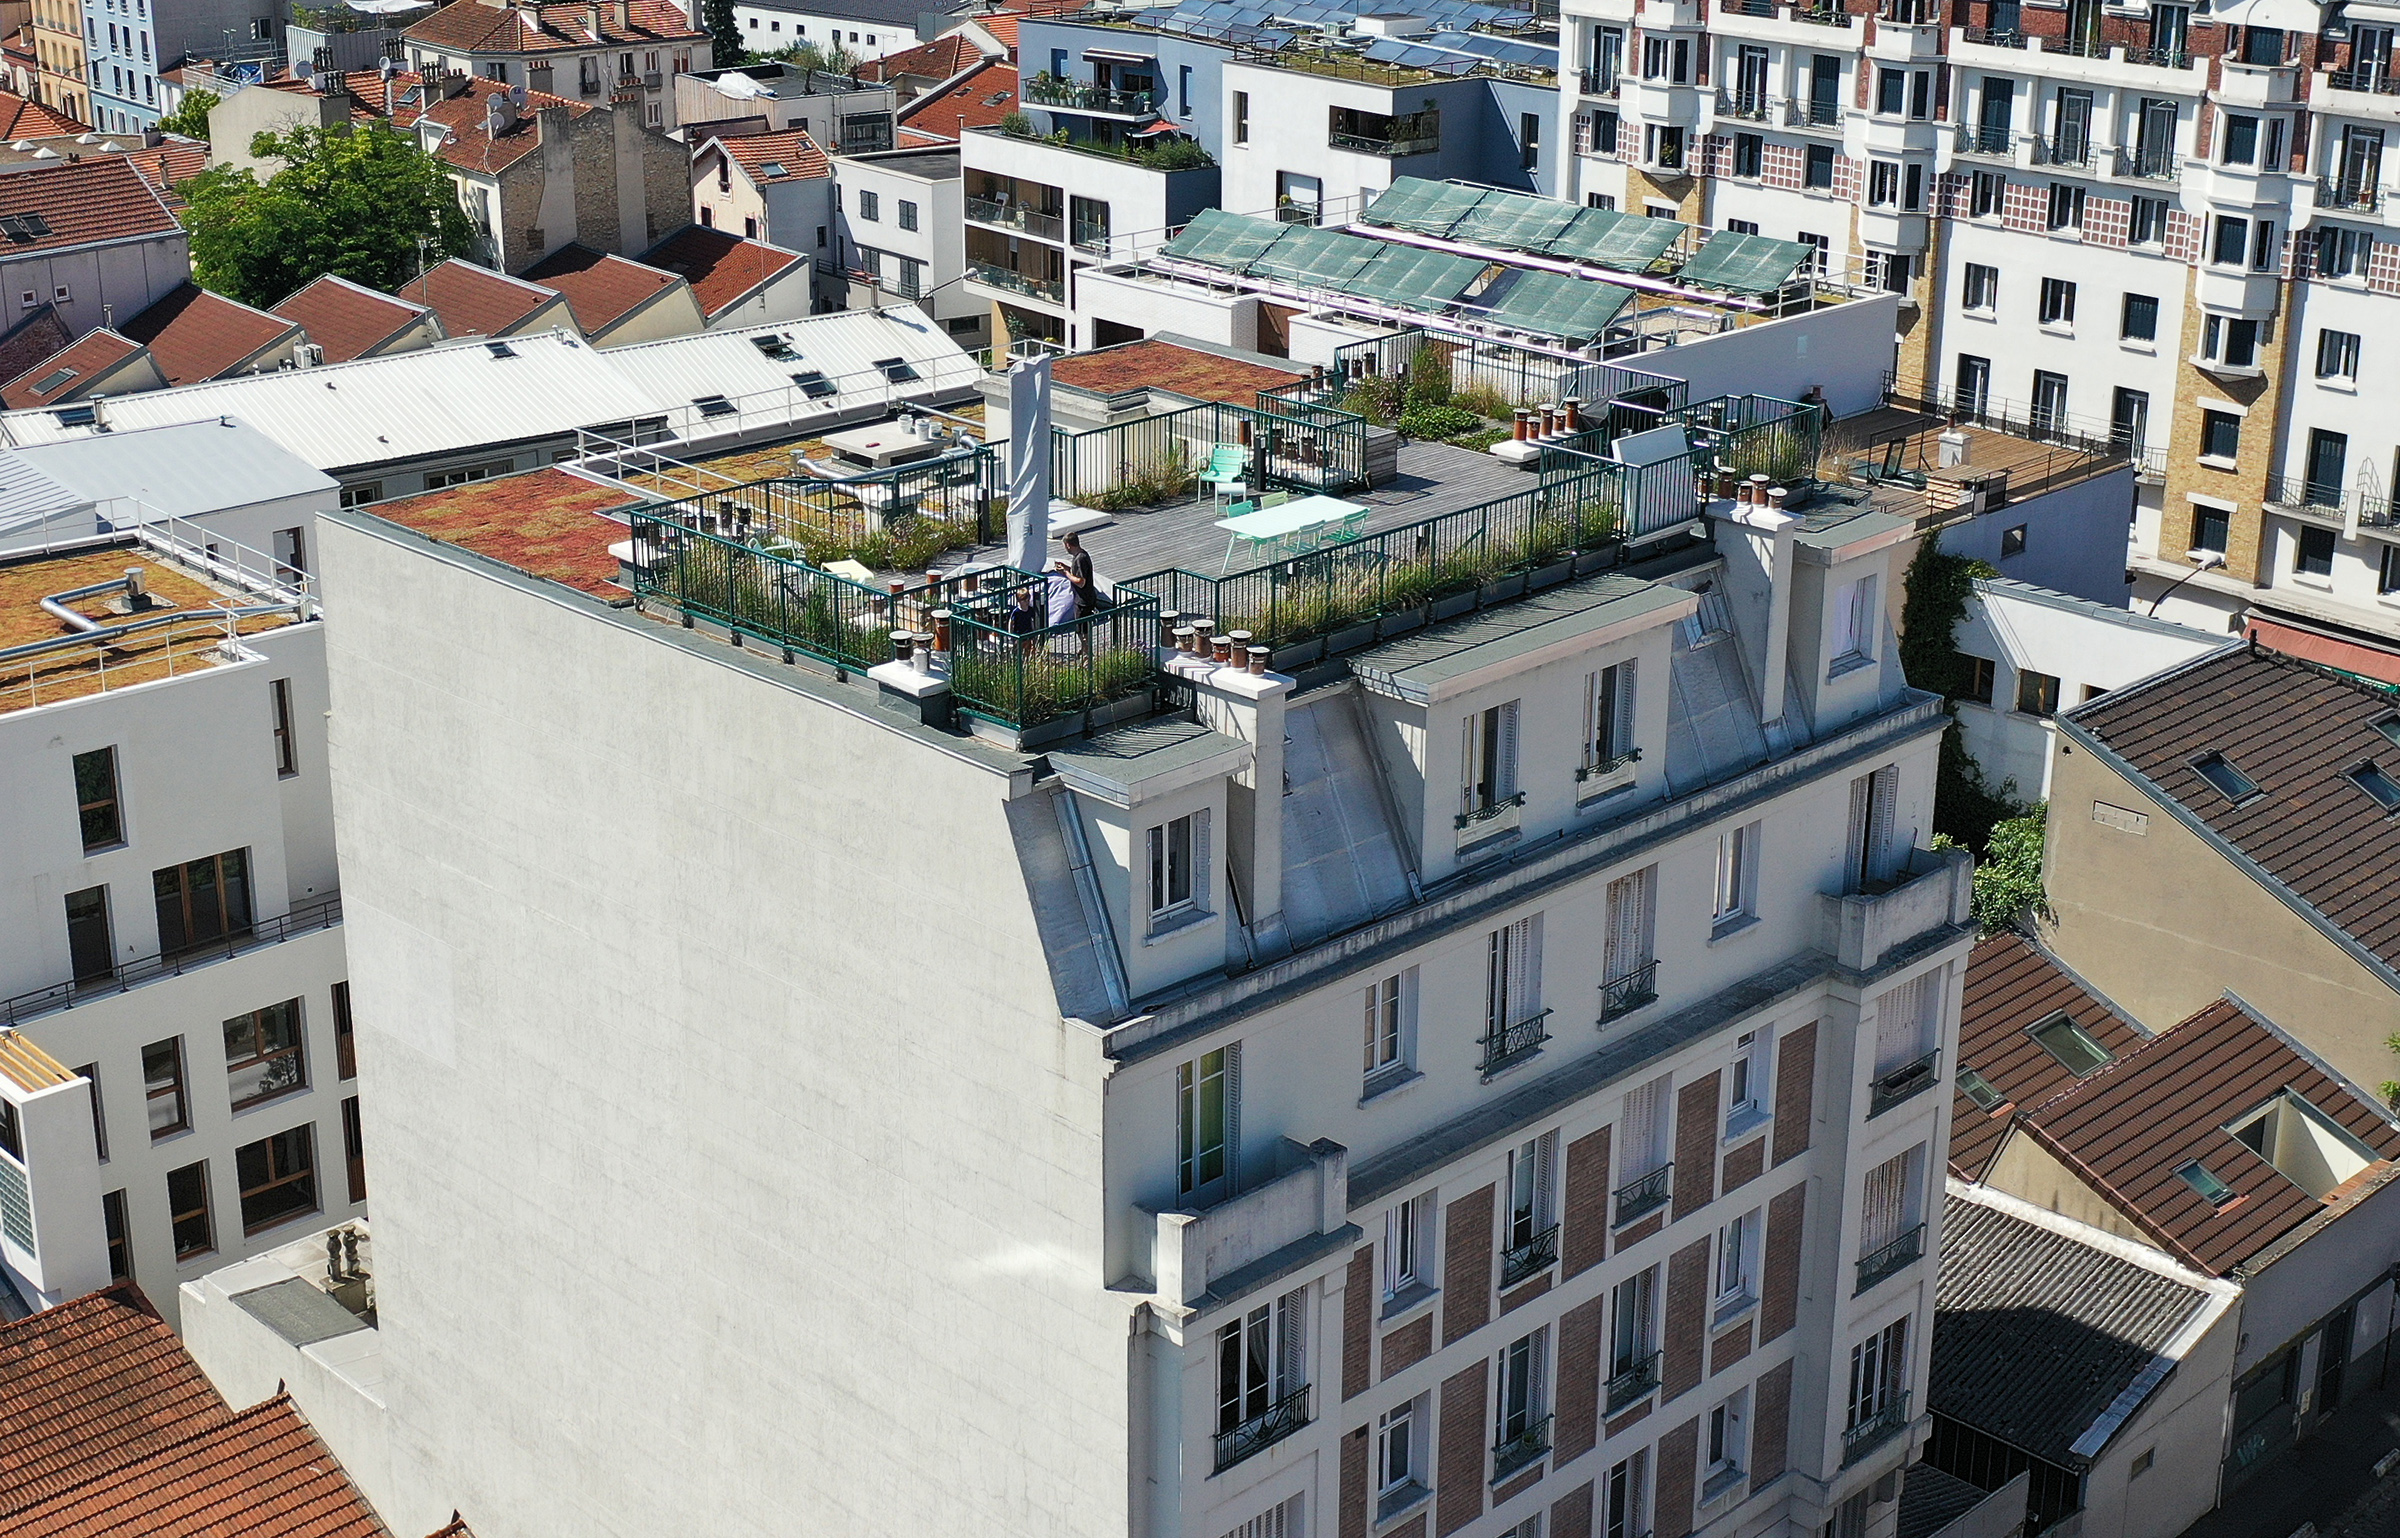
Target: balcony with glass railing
{"points": [[1007, 214], [1386, 134], [1047, 90], [1052, 290]]}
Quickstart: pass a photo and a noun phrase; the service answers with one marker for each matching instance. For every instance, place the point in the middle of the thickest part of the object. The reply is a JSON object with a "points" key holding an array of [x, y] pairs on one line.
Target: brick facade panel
{"points": [[1784, 166], [1678, 1465], [1745, 1164], [2183, 236], [1695, 1146], [1580, 1332], [2108, 221], [2383, 268], [1458, 1470], [1729, 1348], [1519, 1485], [2026, 208], [1571, 1514], [1632, 1417], [1414, 1527], [1408, 1345], [1358, 1321], [1512, 1301], [1686, 1319], [1583, 1235], [1353, 1519], [1467, 1266], [1795, 1091], [1771, 1425], [1779, 1289]]}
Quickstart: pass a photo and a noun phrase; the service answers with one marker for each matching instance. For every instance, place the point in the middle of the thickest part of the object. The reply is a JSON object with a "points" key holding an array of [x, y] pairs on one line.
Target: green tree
{"points": [[364, 204], [190, 119], [2008, 879], [717, 20]]}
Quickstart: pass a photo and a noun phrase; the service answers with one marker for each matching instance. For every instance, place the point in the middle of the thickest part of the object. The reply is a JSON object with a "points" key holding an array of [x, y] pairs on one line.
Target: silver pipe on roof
{"points": [[60, 643], [55, 604]]}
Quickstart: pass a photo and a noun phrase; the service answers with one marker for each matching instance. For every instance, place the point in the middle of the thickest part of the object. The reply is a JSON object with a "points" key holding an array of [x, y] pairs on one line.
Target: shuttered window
{"points": [[1646, 1127], [1513, 976], [1488, 759], [1904, 1020], [1626, 948]]}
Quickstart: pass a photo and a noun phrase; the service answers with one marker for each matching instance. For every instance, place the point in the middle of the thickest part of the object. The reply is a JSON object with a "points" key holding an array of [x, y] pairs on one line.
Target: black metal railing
{"points": [[1903, 1083], [1821, 15], [1744, 104], [2149, 164], [2065, 150], [1508, 1045], [1636, 1198], [1598, 82], [1629, 991], [1531, 1258], [2343, 192], [1608, 766], [1499, 808], [1984, 139], [1510, 1454], [2078, 47], [2379, 81], [2298, 491], [1875, 1430], [306, 918], [1821, 114], [1993, 37], [2160, 58], [1633, 1384], [1263, 1430], [1891, 1259]]}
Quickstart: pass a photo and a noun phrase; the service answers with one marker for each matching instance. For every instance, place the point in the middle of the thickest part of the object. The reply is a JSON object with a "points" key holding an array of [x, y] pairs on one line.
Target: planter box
{"points": [[1350, 638], [1606, 558], [1297, 655], [1551, 575], [1452, 606], [1402, 622], [1500, 589]]}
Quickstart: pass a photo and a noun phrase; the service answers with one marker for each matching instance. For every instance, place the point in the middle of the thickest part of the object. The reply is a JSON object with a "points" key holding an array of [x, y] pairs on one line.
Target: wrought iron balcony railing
{"points": [[1499, 808], [1629, 991], [1875, 1430], [1506, 1046], [1903, 1083], [1990, 37], [1633, 1384], [306, 918], [1608, 766], [1984, 139], [2381, 82], [1598, 82], [1263, 1430], [1510, 1454], [2063, 151], [1532, 1258], [1821, 15], [2149, 164], [1645, 1195], [1752, 105], [1891, 1259], [2343, 192], [2160, 58]]}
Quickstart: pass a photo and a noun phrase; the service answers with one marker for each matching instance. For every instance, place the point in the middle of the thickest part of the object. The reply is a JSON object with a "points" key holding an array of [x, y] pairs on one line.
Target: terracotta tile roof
{"points": [[545, 522], [792, 149], [22, 119], [471, 145], [38, 336], [2127, 1128], [1003, 27], [82, 202], [96, 1382], [601, 288], [982, 99], [722, 269], [167, 166], [938, 60], [197, 335], [93, 353], [1165, 366], [2295, 729], [348, 320], [398, 97], [263, 1474], [456, 1527], [2013, 986], [471, 27], [476, 301]]}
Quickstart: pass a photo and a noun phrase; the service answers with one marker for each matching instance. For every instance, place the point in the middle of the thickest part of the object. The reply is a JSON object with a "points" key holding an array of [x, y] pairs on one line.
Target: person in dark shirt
{"points": [[1023, 618], [1078, 569]]}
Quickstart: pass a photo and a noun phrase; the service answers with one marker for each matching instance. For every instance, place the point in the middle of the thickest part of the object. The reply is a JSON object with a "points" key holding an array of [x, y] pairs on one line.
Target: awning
{"points": [[1117, 56], [2334, 652]]}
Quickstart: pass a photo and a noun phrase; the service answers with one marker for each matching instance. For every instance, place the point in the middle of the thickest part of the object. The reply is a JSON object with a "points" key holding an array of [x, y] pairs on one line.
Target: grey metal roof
{"points": [[1414, 667], [299, 1312], [2036, 1336], [2131, 619], [1112, 763], [188, 470], [1932, 1500]]}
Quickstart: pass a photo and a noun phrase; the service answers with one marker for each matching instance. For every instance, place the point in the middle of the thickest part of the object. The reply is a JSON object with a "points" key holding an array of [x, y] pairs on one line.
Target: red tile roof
{"points": [[471, 145], [544, 521], [980, 100], [2126, 1129], [476, 301], [262, 1473], [94, 1383], [39, 335], [601, 288], [398, 97], [2013, 986], [94, 353], [83, 202], [470, 26], [1165, 366], [197, 335], [1003, 27], [938, 60], [792, 150], [722, 269], [22, 119], [347, 319], [167, 166]]}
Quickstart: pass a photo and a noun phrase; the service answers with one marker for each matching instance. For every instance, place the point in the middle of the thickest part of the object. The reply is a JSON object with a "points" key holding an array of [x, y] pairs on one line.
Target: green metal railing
{"points": [[1293, 445], [1060, 670], [1508, 376], [892, 519], [1745, 434]]}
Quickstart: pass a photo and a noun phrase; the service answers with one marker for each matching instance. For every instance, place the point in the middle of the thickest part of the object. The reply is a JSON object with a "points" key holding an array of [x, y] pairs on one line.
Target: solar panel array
{"points": [[1555, 305]]}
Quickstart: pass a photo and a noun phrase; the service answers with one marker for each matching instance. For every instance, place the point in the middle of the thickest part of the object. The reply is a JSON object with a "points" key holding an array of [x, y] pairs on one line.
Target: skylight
{"points": [[774, 347], [24, 227], [897, 370], [52, 380], [2224, 778], [2388, 724], [2368, 776], [815, 385], [500, 349], [2072, 1045], [2213, 1191], [775, 168], [1979, 1089], [713, 405]]}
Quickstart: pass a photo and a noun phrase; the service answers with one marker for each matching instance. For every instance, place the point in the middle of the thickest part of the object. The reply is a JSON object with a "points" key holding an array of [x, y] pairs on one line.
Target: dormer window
{"points": [[1487, 778], [1856, 626], [2306, 1146], [1608, 722], [1178, 868]]}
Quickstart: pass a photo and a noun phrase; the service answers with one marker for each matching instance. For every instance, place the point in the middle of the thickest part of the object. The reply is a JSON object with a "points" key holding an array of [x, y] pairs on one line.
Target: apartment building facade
{"points": [[61, 80], [2156, 225], [621, 53], [127, 44], [176, 1068]]}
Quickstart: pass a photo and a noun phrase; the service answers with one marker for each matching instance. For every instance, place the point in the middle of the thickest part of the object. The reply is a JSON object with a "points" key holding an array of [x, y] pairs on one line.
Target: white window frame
{"points": [[1160, 840], [1408, 1260], [1268, 1347], [1736, 889], [1487, 759], [1857, 626], [1624, 1498], [1979, 289], [1747, 1083], [1609, 703], [1388, 1029], [1734, 1281], [1400, 1437], [1724, 1444]]}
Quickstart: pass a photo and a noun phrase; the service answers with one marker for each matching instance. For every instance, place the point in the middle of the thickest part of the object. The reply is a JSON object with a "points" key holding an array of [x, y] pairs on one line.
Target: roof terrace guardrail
{"points": [[1029, 680], [305, 918], [891, 520], [1048, 90], [1155, 459], [1521, 378]]}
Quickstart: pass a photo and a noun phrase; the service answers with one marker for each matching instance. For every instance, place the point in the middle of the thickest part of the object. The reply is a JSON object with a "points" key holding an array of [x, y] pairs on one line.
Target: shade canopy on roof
{"points": [[1517, 221], [1746, 264], [1312, 255], [1551, 304], [1626, 242], [1216, 238], [1422, 207], [1405, 275]]}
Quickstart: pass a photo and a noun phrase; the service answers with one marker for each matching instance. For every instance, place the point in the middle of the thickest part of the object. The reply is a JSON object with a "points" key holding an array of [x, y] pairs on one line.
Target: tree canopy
{"points": [[365, 204], [190, 119], [717, 19]]}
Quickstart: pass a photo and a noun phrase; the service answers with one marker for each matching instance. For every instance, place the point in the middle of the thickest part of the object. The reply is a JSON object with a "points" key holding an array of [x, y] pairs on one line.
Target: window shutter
{"points": [[1881, 1223], [1621, 738], [1504, 773], [1596, 716], [1200, 887], [1291, 1329], [1860, 795], [1537, 1373], [1879, 824], [1466, 764], [1526, 990], [1233, 1117], [1899, 1025], [1545, 1161]]}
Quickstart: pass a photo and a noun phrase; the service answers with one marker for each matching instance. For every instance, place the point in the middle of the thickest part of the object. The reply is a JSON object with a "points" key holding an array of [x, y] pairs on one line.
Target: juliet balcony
{"points": [[1294, 1209]]}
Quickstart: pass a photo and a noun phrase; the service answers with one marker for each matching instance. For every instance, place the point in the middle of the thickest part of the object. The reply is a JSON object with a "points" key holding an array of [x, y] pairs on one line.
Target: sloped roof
{"points": [[2127, 1129], [788, 156], [2013, 986], [723, 269], [938, 60], [196, 335], [544, 521], [1162, 365], [472, 27], [169, 165], [349, 320], [2311, 835], [982, 99], [470, 143], [93, 353], [22, 119], [96, 1382], [82, 202], [262, 1473], [2035, 1335], [601, 288], [39, 335], [476, 301]]}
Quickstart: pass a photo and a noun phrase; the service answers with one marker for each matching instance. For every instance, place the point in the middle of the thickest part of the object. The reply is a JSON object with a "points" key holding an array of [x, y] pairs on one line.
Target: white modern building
{"points": [[900, 214], [860, 29], [176, 1063]]}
